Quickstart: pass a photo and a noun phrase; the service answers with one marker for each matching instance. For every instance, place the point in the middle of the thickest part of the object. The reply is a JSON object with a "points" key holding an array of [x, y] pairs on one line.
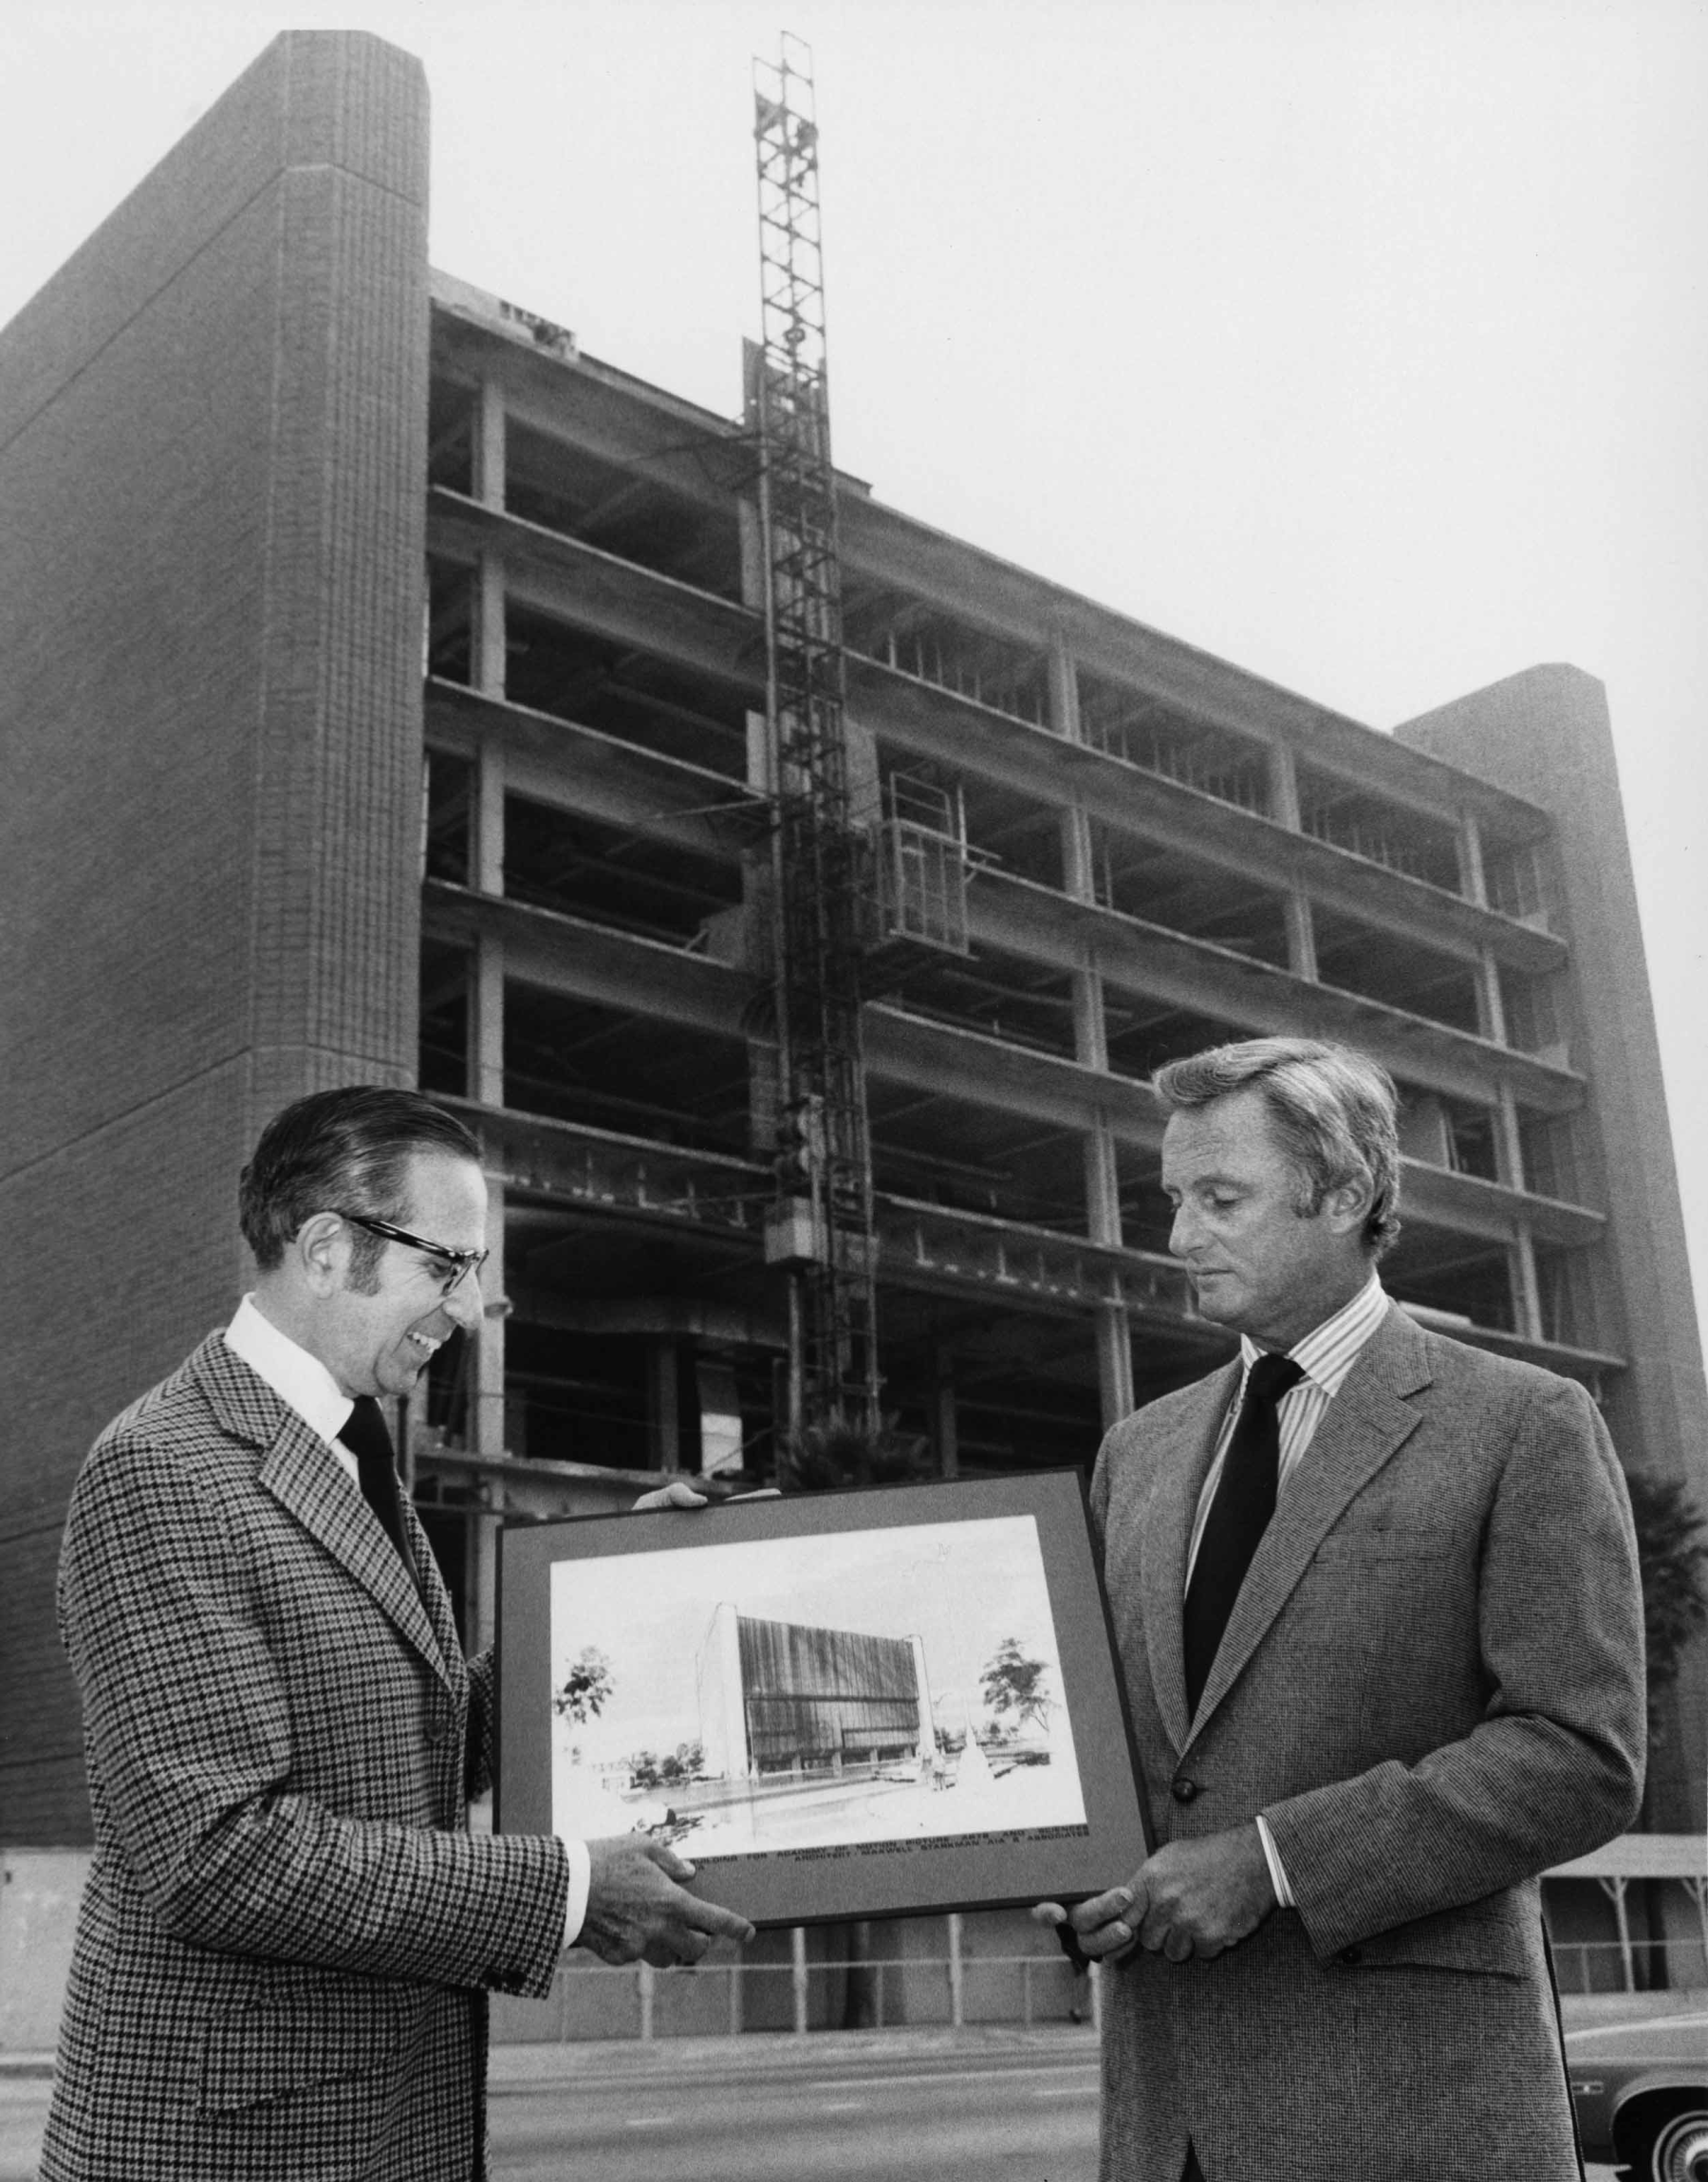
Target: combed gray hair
{"points": [[1334, 1112]]}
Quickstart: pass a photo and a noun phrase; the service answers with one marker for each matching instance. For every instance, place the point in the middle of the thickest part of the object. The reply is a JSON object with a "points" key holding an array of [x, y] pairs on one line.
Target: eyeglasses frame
{"points": [[464, 1261]]}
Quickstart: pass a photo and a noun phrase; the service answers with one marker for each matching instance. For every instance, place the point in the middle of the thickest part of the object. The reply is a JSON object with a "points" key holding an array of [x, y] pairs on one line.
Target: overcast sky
{"points": [[1364, 343]]}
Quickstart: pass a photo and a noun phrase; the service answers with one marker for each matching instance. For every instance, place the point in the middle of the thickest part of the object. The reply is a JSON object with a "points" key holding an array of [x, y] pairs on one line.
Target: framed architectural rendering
{"points": [[849, 1705]]}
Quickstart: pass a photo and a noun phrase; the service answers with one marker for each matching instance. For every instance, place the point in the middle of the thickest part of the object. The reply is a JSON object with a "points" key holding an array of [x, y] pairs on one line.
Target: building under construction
{"points": [[393, 692]]}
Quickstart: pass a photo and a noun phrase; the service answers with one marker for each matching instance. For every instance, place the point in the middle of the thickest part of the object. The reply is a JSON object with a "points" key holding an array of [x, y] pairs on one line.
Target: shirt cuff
{"points": [[1272, 1856], [581, 1880]]}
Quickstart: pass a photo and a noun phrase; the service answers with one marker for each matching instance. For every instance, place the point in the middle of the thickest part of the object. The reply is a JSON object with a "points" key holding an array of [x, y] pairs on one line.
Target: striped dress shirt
{"points": [[1325, 1356]]}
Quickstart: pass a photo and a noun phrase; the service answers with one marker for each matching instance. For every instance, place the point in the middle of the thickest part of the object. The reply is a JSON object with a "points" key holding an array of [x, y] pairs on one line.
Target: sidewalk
{"points": [[519, 2067], [524, 2066]]}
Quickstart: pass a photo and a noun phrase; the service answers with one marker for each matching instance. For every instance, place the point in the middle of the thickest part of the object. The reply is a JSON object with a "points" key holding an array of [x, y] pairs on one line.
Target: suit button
{"points": [[1181, 1789], [1351, 1954]]}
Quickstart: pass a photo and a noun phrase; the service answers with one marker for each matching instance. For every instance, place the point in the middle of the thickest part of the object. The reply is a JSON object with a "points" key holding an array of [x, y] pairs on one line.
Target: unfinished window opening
{"points": [[578, 1397], [1145, 1034], [1139, 879], [1126, 724], [998, 994], [1398, 973], [582, 867], [1014, 832], [1516, 884], [1567, 1292], [607, 1068], [447, 809], [917, 639], [620, 510], [937, 1150], [1533, 1022], [1463, 1280], [1379, 832], [449, 632], [1018, 1421], [451, 411], [557, 669], [1451, 1133], [1551, 1164], [447, 974]]}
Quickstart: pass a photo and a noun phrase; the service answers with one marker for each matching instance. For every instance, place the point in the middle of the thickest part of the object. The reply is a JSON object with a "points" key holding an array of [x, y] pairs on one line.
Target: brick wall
{"points": [[211, 473]]}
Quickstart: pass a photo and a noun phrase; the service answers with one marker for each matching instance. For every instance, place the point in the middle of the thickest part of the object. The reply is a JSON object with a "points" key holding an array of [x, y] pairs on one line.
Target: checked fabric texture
{"points": [[288, 1932]]}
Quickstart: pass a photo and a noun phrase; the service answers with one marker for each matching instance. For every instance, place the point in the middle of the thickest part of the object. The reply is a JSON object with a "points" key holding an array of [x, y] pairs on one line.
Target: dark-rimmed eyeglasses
{"points": [[452, 1266]]}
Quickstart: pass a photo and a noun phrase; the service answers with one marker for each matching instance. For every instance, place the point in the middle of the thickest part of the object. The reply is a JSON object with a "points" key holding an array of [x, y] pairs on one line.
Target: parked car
{"points": [[1640, 2085]]}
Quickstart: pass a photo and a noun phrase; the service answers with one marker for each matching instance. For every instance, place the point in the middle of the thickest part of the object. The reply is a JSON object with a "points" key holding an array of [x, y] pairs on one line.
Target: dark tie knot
{"points": [[365, 1432], [1271, 1376]]}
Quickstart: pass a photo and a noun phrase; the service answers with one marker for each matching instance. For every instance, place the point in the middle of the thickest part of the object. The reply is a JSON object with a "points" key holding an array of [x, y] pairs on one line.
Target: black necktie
{"points": [[1239, 1514], [367, 1439]]}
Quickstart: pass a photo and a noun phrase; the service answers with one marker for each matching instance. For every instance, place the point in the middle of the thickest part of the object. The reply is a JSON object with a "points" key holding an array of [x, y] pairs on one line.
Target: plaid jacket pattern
{"points": [[1432, 1688], [287, 1935]]}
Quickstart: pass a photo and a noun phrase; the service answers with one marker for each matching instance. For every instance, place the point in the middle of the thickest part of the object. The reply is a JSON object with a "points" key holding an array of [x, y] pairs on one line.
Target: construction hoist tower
{"points": [[821, 875]]}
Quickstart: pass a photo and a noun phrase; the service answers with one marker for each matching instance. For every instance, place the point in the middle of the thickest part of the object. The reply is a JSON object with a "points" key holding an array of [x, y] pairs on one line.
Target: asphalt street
{"points": [[1010, 2115], [996, 2107]]}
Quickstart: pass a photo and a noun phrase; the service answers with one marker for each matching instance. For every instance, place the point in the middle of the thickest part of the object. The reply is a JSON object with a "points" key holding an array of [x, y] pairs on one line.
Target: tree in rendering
{"points": [[1012, 1683]]}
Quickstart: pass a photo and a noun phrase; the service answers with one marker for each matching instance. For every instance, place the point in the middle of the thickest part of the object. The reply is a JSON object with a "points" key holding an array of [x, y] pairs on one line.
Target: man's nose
{"points": [[1182, 1232], [465, 1305]]}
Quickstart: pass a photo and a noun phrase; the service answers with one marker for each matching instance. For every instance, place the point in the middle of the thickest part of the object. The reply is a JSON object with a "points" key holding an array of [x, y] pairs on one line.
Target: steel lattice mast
{"points": [[822, 871]]}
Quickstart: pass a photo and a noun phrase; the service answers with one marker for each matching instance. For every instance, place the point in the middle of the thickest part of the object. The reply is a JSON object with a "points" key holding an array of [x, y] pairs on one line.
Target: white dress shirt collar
{"points": [[1328, 1352], [298, 1379]]}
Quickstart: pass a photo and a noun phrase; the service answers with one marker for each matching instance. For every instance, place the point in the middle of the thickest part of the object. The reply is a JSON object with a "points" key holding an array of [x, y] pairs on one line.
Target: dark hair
{"points": [[346, 1150], [1334, 1111]]}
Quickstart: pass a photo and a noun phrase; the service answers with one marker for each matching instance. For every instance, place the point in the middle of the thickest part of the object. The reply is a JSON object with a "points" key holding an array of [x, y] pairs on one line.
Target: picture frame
{"points": [[887, 1702]]}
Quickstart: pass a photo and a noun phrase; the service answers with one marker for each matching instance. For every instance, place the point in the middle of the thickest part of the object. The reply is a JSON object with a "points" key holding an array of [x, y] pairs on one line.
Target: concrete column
{"points": [[1064, 692], [664, 1420], [957, 1974], [948, 1433], [1474, 883], [485, 1041], [1490, 1007], [487, 843], [488, 1422], [1114, 1364], [797, 1963], [1079, 867], [1527, 1289], [489, 438], [1509, 1142], [1284, 810], [489, 625]]}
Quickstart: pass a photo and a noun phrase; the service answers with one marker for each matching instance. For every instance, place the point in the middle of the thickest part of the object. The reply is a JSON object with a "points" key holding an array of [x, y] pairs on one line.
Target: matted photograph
{"points": [[837, 1705]]}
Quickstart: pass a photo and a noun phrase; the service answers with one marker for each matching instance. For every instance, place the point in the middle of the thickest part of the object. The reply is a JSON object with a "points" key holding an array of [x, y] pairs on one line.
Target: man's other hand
{"points": [[1094, 1929], [1193, 1899], [679, 1493], [1190, 1901], [637, 1911]]}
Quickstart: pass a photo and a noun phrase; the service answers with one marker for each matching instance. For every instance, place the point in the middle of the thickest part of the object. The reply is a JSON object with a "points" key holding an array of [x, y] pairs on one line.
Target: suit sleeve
{"points": [[1555, 1766], [192, 1743]]}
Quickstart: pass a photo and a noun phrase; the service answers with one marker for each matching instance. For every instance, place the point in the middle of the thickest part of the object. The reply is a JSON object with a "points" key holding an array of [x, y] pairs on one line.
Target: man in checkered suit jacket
{"points": [[1427, 1687], [289, 1932]]}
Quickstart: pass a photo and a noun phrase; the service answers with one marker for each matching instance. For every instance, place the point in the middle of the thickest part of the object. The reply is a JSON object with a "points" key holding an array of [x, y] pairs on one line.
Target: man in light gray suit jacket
{"points": [[1376, 1600]]}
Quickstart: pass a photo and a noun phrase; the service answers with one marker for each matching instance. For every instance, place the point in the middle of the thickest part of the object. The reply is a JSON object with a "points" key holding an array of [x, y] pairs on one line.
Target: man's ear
{"points": [[1347, 1205], [321, 1249]]}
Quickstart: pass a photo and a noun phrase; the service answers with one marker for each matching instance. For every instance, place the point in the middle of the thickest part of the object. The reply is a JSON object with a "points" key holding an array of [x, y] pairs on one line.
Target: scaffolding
{"points": [[821, 1225]]}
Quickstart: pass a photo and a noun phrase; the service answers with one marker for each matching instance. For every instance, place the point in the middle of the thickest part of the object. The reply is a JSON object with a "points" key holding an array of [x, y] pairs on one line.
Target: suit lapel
{"points": [[1364, 1425], [303, 1475], [1183, 1464]]}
